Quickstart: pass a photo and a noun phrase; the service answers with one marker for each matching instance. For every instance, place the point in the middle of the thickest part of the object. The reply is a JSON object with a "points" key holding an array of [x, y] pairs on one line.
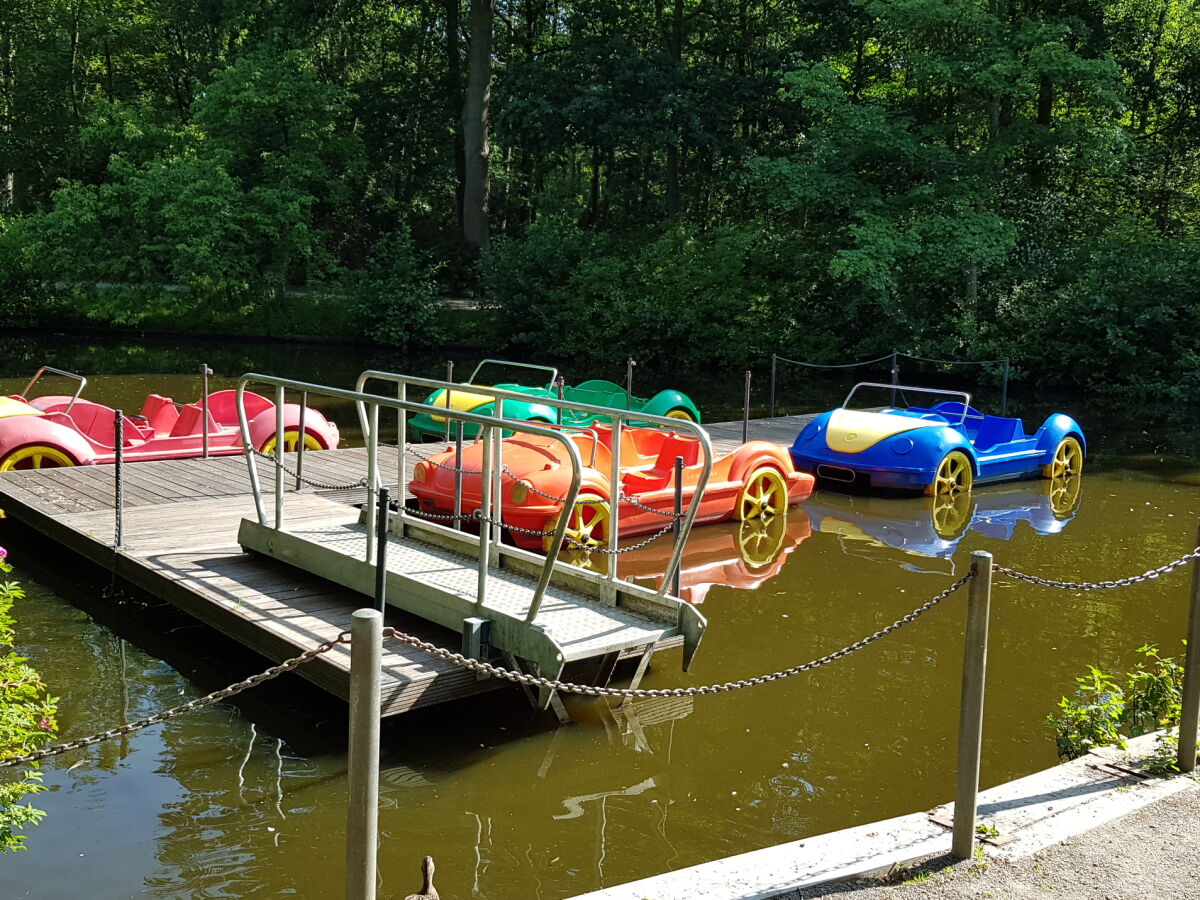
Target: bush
{"points": [[26, 723], [1107, 713], [395, 298]]}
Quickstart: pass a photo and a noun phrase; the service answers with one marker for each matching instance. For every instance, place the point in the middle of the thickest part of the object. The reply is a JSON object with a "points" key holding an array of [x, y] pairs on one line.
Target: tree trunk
{"points": [[475, 127], [455, 96], [8, 189]]}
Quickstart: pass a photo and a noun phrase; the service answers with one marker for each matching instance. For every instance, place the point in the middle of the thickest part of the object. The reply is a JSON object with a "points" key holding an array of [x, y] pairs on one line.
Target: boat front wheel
{"points": [[35, 456]]}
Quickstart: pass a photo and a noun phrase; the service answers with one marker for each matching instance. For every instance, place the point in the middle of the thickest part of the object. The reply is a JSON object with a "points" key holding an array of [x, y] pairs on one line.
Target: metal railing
{"points": [[491, 509], [62, 372], [894, 359]]}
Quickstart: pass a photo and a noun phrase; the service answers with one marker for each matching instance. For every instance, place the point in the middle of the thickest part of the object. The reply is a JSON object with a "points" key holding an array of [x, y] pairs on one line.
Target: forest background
{"points": [[692, 182]]}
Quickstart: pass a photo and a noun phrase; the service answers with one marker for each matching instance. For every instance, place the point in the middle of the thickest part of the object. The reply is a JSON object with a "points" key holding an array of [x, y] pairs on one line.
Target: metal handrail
{"points": [[923, 390], [65, 374], [618, 418], [508, 362], [375, 402]]}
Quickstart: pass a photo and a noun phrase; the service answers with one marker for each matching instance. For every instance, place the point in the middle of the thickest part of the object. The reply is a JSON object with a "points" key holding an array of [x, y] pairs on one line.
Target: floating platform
{"points": [[181, 543]]}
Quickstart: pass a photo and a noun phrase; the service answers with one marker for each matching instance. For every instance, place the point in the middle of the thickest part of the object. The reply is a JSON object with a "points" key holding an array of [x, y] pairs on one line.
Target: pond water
{"points": [[249, 799]]}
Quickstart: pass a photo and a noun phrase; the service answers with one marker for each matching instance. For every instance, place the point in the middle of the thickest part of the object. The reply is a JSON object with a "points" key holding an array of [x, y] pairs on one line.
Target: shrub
{"points": [[394, 297], [26, 723]]}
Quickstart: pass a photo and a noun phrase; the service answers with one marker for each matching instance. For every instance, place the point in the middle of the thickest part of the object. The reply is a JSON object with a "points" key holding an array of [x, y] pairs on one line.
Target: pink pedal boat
{"points": [[64, 430]]}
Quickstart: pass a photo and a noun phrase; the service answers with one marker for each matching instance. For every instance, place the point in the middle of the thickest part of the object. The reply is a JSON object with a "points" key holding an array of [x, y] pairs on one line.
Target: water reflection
{"points": [[739, 555], [934, 526]]}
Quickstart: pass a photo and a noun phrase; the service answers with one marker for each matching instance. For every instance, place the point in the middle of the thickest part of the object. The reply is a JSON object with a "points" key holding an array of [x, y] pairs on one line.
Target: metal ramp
{"points": [[505, 601]]}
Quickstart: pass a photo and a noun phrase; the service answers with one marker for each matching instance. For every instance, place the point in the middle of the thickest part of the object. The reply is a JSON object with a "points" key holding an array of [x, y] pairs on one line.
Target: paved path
{"points": [[1152, 854]]}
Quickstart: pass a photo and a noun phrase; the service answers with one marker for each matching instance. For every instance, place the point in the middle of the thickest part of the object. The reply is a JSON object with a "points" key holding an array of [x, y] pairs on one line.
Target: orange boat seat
{"points": [[190, 421]]}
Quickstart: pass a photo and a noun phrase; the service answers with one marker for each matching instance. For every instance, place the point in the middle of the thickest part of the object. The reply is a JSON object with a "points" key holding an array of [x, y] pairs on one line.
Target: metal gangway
{"points": [[508, 603]]}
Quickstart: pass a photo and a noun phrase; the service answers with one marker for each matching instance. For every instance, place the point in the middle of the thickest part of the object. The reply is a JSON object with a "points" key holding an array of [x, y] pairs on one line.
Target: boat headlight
{"points": [[902, 445], [419, 473], [520, 493]]}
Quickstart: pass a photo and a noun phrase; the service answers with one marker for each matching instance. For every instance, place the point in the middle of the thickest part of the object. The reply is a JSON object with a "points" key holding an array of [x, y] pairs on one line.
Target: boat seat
{"points": [[995, 430], [673, 446], [189, 421], [160, 413]]}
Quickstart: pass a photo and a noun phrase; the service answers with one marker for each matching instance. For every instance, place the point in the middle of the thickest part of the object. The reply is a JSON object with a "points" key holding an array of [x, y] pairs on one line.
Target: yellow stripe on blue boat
{"points": [[853, 430]]}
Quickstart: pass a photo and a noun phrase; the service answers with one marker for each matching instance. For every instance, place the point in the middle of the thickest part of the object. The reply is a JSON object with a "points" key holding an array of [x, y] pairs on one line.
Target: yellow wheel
{"points": [[291, 437], [1068, 460], [35, 456], [680, 413], [587, 527], [763, 494], [954, 474], [760, 540]]}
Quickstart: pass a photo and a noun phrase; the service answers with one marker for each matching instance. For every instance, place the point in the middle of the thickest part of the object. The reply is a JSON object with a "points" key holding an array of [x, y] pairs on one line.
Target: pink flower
{"points": [[47, 724], [3, 553]]}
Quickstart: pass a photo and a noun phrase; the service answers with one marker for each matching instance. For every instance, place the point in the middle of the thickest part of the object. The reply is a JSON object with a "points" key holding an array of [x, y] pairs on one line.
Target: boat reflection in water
{"points": [[933, 526], [740, 555]]}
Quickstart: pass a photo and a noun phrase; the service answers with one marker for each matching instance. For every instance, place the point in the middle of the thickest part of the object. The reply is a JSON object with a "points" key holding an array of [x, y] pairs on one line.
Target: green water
{"points": [[249, 800]]}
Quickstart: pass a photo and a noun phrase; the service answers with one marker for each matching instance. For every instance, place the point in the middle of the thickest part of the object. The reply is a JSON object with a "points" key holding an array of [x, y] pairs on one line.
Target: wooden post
{"points": [[118, 479], [746, 410], [970, 721], [1189, 713], [362, 826], [774, 359]]}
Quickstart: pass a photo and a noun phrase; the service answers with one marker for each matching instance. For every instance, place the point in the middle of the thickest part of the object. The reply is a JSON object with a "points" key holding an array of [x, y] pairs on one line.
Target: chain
{"points": [[625, 498], [590, 690], [1100, 585], [448, 517], [191, 705], [361, 483], [568, 539]]}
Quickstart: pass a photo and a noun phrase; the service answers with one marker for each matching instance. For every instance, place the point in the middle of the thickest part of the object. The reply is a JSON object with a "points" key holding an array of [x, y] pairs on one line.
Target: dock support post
{"points": [[629, 364], [970, 721], [746, 410], [362, 827], [895, 374], [205, 371], [675, 529], [119, 480], [381, 545], [1189, 713], [774, 360]]}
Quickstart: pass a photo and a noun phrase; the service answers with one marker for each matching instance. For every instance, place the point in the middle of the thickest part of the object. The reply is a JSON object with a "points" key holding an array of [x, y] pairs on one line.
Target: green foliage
{"points": [[394, 297], [1105, 712], [26, 723]]}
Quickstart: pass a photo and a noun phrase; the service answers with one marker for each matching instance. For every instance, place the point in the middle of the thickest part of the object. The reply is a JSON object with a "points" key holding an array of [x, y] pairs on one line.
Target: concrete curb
{"points": [[1029, 815]]}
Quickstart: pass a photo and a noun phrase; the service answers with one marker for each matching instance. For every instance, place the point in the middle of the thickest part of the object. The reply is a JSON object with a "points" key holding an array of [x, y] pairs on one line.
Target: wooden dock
{"points": [[181, 520]]}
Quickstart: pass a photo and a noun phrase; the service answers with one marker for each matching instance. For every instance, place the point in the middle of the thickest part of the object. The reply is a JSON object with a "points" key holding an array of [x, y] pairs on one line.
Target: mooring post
{"points": [[119, 480], [746, 410], [1189, 712], [675, 528], [300, 440], [970, 718], [1004, 390], [362, 826], [449, 378], [381, 537], [205, 371], [629, 364], [895, 373], [774, 359]]}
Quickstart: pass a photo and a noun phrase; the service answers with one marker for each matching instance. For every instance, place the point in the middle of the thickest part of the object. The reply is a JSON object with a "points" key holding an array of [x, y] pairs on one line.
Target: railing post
{"points": [[746, 410], [300, 441], [279, 446], [485, 507], [1189, 712], [675, 528], [970, 718], [458, 476], [362, 826], [497, 476], [373, 481], [381, 544], [450, 379], [614, 511], [119, 480], [205, 371], [895, 373], [1004, 390], [774, 360]]}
